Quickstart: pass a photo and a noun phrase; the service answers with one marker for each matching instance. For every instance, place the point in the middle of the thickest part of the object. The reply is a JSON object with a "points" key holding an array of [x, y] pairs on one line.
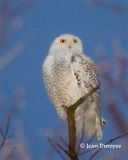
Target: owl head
{"points": [[67, 42]]}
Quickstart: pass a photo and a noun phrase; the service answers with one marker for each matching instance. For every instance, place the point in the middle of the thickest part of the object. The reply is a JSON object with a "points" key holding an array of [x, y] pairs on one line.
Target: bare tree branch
{"points": [[63, 141], [55, 147], [5, 133], [72, 133]]}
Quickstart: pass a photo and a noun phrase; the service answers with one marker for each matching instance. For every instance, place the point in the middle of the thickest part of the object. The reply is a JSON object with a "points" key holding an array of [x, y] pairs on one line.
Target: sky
{"points": [[46, 19]]}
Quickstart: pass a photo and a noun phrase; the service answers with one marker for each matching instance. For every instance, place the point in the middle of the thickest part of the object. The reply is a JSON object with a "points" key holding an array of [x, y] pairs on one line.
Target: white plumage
{"points": [[68, 75]]}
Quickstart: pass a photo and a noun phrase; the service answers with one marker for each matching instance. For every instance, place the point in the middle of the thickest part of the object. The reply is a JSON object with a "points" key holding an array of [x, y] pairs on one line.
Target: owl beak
{"points": [[69, 47]]}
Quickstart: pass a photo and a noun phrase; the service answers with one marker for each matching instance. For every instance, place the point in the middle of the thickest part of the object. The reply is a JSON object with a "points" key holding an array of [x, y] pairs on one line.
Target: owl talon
{"points": [[103, 122]]}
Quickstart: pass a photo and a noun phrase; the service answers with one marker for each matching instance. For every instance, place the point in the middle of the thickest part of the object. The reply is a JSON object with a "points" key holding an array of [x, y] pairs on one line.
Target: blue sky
{"points": [[41, 24]]}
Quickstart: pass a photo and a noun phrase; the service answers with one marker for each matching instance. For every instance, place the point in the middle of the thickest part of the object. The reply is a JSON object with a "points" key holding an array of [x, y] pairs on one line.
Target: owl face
{"points": [[67, 42]]}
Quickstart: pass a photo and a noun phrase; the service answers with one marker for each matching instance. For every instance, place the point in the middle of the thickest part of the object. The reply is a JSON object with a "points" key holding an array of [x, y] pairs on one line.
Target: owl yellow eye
{"points": [[75, 40], [63, 40]]}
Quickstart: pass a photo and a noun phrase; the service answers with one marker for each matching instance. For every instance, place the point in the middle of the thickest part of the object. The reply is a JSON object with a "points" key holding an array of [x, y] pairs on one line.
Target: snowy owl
{"points": [[68, 75]]}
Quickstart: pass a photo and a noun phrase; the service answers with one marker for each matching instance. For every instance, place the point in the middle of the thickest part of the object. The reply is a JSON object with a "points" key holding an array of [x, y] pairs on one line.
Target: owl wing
{"points": [[85, 72], [88, 114]]}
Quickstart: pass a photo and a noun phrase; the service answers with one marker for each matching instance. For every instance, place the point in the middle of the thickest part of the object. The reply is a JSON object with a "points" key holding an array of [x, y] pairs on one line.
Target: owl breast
{"points": [[61, 82], [65, 84]]}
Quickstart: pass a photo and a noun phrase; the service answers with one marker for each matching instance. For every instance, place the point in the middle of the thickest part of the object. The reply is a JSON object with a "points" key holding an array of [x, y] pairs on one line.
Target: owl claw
{"points": [[103, 122]]}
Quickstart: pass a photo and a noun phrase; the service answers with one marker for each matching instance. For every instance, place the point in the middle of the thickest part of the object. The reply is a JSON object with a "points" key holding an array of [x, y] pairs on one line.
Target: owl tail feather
{"points": [[90, 124]]}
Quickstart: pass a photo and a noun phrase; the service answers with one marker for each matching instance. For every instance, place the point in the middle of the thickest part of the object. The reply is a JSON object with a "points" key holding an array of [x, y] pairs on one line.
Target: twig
{"points": [[55, 147], [59, 146], [8, 125], [63, 141], [110, 141], [1, 132], [4, 134]]}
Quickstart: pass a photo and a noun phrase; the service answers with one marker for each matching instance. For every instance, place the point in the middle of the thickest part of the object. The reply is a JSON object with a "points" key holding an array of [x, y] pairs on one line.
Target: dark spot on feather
{"points": [[73, 59]]}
